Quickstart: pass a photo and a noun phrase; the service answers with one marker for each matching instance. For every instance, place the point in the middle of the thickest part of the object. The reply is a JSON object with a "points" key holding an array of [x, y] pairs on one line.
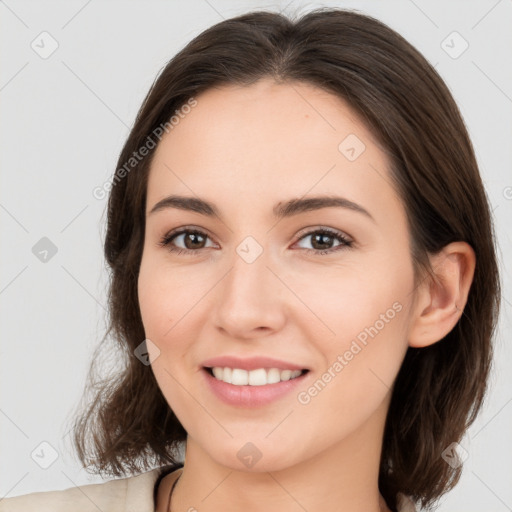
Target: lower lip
{"points": [[251, 396]]}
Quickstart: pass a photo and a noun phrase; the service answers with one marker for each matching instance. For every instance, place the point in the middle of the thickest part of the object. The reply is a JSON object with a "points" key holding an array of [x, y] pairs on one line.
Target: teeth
{"points": [[259, 377]]}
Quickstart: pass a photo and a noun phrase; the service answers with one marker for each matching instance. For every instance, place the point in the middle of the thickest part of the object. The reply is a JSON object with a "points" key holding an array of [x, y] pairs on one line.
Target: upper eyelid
{"points": [[333, 231], [186, 229], [304, 232]]}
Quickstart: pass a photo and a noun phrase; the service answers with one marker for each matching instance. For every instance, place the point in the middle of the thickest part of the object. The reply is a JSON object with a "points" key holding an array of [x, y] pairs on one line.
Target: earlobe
{"points": [[440, 301]]}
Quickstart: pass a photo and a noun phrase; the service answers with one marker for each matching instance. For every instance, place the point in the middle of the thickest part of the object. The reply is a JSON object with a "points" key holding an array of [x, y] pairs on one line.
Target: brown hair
{"points": [[128, 426]]}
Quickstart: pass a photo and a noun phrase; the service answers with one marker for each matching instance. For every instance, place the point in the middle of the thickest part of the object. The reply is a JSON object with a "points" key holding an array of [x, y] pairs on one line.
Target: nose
{"points": [[250, 300]]}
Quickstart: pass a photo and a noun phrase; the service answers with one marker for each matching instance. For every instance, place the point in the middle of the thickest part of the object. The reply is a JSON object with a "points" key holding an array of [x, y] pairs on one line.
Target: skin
{"points": [[246, 149]]}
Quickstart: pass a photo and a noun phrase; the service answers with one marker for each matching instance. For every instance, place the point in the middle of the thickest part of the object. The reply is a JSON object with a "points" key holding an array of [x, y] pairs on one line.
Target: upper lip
{"points": [[250, 363]]}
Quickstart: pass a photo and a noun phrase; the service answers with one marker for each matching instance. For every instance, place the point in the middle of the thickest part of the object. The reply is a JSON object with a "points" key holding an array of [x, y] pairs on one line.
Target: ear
{"points": [[440, 301]]}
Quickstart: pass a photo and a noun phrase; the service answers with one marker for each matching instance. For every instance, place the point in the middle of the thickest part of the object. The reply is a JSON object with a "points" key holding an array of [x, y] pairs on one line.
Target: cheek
{"points": [[362, 336], [161, 308], [344, 302], [157, 303], [358, 373], [164, 295], [153, 301], [172, 305]]}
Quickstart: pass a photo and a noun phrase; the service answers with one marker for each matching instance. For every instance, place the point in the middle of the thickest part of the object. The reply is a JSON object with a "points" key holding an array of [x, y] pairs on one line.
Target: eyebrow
{"points": [[280, 210]]}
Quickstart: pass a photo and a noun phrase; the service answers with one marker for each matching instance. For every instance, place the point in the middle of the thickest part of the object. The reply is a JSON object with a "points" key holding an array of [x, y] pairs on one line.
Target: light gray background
{"points": [[64, 120]]}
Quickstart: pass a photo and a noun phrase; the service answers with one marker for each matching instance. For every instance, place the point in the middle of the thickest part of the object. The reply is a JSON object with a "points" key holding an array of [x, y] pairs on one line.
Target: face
{"points": [[322, 287]]}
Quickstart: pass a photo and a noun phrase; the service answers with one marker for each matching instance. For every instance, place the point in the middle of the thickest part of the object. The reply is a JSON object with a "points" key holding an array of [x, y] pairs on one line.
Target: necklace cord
{"points": [[168, 509]]}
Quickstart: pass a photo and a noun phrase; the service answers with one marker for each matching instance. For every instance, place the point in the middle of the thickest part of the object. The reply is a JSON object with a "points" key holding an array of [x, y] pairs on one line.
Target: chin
{"points": [[255, 456]]}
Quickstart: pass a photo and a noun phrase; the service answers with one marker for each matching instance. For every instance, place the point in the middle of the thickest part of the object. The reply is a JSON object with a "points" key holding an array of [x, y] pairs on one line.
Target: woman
{"points": [[304, 280]]}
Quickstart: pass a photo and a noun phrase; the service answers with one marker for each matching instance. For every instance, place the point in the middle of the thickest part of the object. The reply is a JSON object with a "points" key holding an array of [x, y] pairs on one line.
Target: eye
{"points": [[192, 238], [322, 240], [195, 240]]}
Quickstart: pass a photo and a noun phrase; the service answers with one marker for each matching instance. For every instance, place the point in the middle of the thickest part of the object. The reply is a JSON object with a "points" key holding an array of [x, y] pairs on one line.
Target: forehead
{"points": [[270, 112], [269, 140]]}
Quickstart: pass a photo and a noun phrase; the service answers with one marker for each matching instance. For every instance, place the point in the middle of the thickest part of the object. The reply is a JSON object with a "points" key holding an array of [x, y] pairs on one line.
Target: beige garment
{"points": [[131, 494]]}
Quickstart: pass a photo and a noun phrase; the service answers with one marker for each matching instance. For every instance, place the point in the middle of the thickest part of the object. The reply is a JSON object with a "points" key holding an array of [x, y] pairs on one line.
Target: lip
{"points": [[251, 363], [252, 396]]}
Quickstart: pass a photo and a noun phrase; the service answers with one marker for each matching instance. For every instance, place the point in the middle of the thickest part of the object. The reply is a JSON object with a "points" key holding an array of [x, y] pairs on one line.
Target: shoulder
{"points": [[131, 494]]}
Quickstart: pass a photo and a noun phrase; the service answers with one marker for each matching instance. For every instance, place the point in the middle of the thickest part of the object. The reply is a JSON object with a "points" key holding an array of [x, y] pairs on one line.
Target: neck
{"points": [[341, 477]]}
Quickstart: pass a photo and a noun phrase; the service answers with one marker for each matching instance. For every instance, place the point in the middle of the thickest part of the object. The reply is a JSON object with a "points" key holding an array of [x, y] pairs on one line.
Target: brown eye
{"points": [[192, 240], [322, 241]]}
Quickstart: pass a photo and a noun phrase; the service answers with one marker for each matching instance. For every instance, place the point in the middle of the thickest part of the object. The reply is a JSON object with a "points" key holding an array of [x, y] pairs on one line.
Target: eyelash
{"points": [[345, 242]]}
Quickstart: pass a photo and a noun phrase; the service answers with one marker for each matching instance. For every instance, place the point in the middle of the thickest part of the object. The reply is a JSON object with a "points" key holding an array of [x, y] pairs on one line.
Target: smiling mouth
{"points": [[257, 377]]}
